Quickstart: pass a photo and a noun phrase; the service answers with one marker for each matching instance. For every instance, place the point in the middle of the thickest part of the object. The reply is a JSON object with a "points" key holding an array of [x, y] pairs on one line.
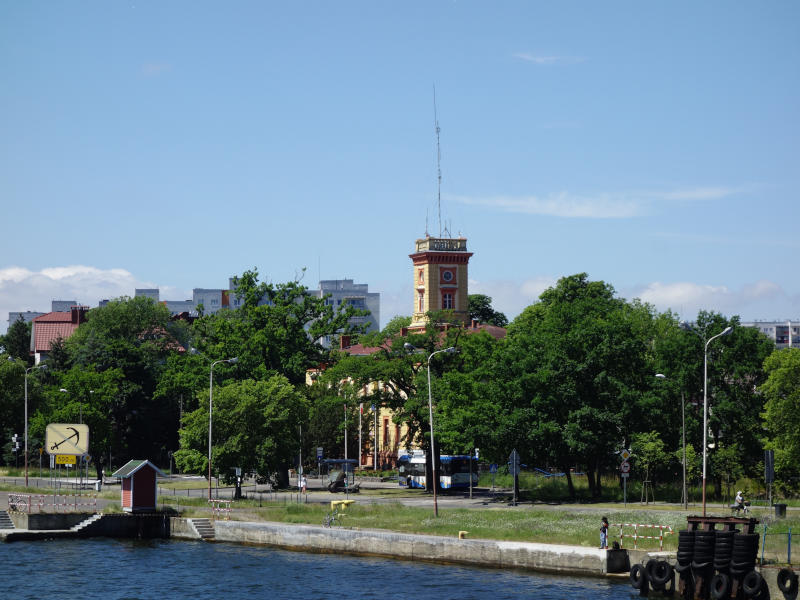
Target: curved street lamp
{"points": [[231, 361], [449, 350], [726, 331]]}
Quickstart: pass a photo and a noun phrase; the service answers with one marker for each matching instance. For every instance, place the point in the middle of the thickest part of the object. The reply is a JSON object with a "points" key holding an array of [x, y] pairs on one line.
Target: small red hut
{"points": [[139, 485]]}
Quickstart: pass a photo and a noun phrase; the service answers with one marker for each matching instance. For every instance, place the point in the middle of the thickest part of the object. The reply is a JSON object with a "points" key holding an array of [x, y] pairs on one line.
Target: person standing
{"points": [[604, 534], [303, 483]]}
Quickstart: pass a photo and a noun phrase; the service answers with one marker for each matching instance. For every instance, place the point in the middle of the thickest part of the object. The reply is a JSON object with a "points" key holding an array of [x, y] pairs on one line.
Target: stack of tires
{"points": [[720, 586], [743, 562], [685, 553], [703, 557]]}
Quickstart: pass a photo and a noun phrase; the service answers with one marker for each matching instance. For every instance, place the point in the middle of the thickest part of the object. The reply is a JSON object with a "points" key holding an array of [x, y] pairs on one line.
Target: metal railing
{"points": [[776, 547], [221, 508], [662, 531], [55, 503]]}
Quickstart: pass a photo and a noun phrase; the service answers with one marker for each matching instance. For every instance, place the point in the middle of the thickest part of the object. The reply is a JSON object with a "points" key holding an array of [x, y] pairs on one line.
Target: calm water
{"points": [[117, 569]]}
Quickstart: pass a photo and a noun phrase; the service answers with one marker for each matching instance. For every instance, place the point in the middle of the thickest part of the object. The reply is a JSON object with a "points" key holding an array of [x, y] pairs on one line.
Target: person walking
{"points": [[604, 534], [303, 484]]}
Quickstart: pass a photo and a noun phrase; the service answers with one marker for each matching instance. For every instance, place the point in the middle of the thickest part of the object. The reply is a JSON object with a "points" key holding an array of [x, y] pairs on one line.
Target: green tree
{"points": [[573, 374], [89, 398], [255, 427], [17, 341], [133, 336], [402, 374], [781, 389], [480, 308], [276, 330], [650, 455]]}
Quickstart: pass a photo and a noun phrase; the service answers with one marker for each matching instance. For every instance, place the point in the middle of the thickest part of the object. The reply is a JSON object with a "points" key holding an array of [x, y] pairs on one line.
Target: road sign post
{"points": [[513, 468], [624, 472]]}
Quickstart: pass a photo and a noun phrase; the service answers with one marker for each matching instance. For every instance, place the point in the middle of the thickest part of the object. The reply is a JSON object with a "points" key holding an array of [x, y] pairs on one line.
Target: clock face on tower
{"points": [[447, 276]]}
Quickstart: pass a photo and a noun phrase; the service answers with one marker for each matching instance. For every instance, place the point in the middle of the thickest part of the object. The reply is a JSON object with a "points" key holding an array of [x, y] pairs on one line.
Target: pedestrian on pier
{"points": [[604, 534]]}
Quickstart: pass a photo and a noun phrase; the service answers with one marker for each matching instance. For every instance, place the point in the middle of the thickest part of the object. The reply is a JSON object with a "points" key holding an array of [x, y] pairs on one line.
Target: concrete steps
{"points": [[85, 523], [5, 521], [204, 528]]}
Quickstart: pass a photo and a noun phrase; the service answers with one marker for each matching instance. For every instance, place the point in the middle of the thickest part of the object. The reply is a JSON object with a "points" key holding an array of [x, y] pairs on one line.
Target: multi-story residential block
{"points": [[26, 316], [785, 334], [343, 293]]}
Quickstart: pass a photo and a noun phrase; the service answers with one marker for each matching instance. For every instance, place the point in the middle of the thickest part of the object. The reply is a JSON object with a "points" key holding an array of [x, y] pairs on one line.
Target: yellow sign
{"points": [[65, 459], [67, 438]]}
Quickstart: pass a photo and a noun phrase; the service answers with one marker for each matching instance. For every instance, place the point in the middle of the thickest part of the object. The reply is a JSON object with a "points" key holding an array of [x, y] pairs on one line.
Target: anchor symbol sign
{"points": [[75, 435], [67, 438]]}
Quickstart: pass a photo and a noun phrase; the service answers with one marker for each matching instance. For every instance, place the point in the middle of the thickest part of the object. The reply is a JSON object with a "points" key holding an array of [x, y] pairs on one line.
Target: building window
{"points": [[385, 431], [421, 307], [396, 435], [421, 275], [447, 301]]}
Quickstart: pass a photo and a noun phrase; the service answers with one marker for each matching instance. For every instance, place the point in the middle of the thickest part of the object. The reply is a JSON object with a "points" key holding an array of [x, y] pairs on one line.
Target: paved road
{"points": [[371, 492]]}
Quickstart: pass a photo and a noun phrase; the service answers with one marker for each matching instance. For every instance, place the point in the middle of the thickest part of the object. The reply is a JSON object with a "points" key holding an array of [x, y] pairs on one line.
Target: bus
{"points": [[454, 471]]}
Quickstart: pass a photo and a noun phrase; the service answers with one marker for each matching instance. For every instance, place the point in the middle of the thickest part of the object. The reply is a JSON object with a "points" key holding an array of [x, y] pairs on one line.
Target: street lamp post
{"points": [[27, 371], [449, 350], [685, 497], [231, 361], [726, 331]]}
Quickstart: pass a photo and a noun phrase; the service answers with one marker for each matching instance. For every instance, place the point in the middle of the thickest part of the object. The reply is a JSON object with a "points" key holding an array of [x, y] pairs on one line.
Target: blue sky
{"points": [[173, 144]]}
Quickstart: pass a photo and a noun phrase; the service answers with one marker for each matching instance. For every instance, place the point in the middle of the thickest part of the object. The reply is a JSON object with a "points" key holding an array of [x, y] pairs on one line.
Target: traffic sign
{"points": [[66, 438], [319, 452], [624, 475], [65, 459], [625, 454], [625, 467]]}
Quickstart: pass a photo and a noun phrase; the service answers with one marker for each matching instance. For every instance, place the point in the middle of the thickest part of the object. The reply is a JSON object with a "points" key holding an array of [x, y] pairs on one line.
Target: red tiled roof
{"points": [[55, 317], [48, 328]]}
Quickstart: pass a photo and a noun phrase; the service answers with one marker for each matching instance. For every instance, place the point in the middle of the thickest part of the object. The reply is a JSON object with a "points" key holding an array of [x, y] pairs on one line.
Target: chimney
{"points": [[78, 315], [344, 341]]}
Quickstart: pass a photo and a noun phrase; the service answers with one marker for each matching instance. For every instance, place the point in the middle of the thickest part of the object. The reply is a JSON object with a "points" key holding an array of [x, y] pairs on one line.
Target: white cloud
{"points": [[699, 193], [548, 60], [22, 289], [604, 206], [760, 300], [512, 297], [597, 206]]}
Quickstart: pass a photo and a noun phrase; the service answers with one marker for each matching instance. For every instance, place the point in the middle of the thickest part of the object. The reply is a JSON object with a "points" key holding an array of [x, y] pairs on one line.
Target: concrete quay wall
{"points": [[487, 553]]}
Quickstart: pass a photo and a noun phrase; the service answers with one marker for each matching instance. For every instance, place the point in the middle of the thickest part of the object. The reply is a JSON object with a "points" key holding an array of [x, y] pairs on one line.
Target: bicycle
{"points": [[333, 518]]}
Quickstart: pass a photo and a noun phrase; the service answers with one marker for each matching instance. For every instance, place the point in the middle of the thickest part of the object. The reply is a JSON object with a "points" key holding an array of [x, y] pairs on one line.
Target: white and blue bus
{"points": [[454, 471]]}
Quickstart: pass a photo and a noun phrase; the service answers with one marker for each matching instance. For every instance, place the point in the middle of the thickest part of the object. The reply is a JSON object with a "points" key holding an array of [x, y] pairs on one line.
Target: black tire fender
{"points": [[720, 586], [751, 583], [638, 576], [787, 581], [661, 573]]}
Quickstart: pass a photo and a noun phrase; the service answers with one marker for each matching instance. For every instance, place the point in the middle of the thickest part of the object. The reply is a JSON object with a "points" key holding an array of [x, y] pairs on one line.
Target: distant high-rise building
{"points": [[785, 334], [342, 293]]}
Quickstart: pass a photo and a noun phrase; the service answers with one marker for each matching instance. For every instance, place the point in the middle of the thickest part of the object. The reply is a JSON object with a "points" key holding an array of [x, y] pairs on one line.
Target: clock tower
{"points": [[440, 278]]}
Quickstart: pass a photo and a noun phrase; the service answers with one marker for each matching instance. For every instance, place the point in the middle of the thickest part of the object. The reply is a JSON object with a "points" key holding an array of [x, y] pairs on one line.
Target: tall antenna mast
{"points": [[438, 163]]}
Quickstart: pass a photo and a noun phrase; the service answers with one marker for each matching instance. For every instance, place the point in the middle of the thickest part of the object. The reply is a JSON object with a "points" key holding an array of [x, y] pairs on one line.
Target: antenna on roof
{"points": [[438, 162]]}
